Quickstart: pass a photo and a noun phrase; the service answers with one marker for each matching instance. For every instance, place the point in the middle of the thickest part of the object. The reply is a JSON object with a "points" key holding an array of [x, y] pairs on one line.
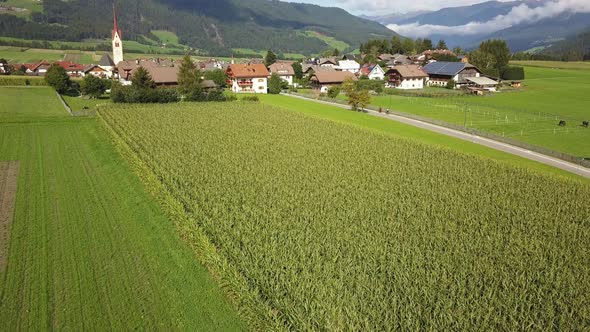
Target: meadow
{"points": [[90, 249], [324, 225], [531, 114]]}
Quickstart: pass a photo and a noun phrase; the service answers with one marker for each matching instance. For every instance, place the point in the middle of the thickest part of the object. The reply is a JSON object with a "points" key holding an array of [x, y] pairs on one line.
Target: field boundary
{"points": [[246, 299], [535, 148], [65, 105], [8, 185]]}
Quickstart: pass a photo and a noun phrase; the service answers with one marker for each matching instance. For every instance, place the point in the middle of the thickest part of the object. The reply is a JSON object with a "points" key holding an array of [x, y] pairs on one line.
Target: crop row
{"points": [[339, 228]]}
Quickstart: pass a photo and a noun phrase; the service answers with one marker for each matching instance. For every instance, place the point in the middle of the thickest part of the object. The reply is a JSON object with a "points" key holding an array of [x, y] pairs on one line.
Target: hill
{"points": [[209, 27], [516, 21]]}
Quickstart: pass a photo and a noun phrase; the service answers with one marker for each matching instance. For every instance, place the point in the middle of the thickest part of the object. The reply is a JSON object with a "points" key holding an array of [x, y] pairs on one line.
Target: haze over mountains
{"points": [[523, 24]]}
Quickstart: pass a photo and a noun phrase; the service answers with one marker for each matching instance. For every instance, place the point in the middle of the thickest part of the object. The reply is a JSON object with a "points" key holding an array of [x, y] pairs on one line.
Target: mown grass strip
{"points": [[8, 180]]}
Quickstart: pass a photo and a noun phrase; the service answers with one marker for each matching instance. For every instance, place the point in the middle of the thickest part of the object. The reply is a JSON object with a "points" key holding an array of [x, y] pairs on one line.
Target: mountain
{"points": [[573, 48], [467, 26], [395, 17], [213, 27]]}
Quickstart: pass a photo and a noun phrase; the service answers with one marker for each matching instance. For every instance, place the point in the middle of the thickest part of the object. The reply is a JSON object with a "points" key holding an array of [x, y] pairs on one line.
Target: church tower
{"points": [[117, 41]]}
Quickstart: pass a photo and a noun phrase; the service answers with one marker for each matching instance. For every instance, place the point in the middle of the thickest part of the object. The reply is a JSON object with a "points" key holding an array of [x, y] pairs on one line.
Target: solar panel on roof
{"points": [[444, 68]]}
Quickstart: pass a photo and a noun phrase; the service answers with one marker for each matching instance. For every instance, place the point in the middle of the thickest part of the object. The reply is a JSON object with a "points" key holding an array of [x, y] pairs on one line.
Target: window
{"points": [[117, 44], [260, 88], [261, 80]]}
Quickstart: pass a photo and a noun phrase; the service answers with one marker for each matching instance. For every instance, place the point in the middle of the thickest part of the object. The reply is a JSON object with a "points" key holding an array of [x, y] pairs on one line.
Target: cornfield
{"points": [[325, 226]]}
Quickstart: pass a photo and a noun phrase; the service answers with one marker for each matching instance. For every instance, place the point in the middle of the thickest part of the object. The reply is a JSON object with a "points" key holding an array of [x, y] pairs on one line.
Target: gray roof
{"points": [[446, 68], [482, 80], [106, 61]]}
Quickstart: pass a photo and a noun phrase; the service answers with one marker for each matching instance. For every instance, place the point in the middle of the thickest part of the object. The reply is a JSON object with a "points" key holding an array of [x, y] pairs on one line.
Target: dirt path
{"points": [[8, 179], [521, 152]]}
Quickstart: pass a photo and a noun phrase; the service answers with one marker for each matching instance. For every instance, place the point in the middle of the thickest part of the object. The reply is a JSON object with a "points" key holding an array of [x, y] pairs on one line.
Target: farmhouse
{"points": [[327, 62], [163, 72], [39, 69], [406, 77], [284, 70], [248, 78], [482, 83], [349, 66], [95, 70], [399, 59], [323, 80], [72, 69], [440, 73], [373, 72]]}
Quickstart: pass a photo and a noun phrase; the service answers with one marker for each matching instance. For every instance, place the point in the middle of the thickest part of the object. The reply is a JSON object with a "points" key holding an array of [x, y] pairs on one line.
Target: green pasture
{"points": [[166, 37], [531, 114], [554, 64], [89, 248], [331, 41]]}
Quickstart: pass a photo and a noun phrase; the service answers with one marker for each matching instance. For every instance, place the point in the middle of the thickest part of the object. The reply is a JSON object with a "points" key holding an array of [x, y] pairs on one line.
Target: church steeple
{"points": [[117, 40]]}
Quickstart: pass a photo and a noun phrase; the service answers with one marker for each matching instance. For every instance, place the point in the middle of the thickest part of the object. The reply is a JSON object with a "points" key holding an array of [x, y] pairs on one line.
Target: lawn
{"points": [[332, 226], [553, 64], [531, 115], [89, 248], [331, 41]]}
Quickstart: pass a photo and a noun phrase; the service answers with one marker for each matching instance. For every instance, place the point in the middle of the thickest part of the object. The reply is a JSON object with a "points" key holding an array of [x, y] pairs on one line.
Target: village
{"points": [[392, 71]]}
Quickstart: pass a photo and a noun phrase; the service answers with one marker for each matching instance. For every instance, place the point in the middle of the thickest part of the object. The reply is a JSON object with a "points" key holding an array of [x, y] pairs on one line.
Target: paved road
{"points": [[539, 157]]}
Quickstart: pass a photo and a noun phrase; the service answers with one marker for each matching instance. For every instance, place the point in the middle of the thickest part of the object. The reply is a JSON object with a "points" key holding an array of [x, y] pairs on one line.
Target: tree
{"points": [[482, 59], [396, 45], [2, 60], [408, 46], [275, 84], [298, 70], [270, 58], [142, 79], [335, 52], [218, 76], [442, 45], [58, 79], [357, 99], [426, 44], [189, 77], [92, 86], [499, 51], [458, 51]]}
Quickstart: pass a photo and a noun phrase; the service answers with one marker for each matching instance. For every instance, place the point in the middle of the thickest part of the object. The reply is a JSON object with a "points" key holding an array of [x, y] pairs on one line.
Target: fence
{"points": [[552, 153]]}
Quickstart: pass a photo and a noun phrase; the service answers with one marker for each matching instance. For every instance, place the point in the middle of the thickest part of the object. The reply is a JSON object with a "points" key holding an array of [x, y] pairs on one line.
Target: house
{"points": [[324, 79], [350, 56], [3, 69], [430, 54], [39, 69], [385, 57], [399, 59], [373, 72], [107, 63], [71, 68], [406, 77], [349, 66], [482, 83], [284, 70], [163, 72], [310, 69], [440, 73], [95, 70], [327, 62], [248, 78], [463, 58]]}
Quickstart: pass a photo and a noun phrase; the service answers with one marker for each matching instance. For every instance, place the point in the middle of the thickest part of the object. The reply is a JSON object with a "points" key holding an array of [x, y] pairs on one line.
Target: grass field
{"points": [[531, 115], [89, 248], [554, 64], [341, 227], [331, 41]]}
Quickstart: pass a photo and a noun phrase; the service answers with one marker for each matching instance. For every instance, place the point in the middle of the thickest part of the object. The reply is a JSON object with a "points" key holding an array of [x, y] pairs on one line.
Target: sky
{"points": [[372, 7]]}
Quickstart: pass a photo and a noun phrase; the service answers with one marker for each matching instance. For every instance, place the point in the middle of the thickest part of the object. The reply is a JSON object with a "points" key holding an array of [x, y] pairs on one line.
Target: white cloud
{"points": [[518, 15], [381, 7]]}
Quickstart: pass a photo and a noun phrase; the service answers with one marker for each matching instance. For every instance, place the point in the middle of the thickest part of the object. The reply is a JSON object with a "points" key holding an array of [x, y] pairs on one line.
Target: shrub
{"points": [[513, 74], [334, 91], [250, 98], [275, 84], [58, 79], [451, 84]]}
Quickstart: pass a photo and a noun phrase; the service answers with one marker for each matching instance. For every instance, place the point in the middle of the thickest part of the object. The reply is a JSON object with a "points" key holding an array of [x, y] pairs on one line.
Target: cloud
{"points": [[519, 14], [380, 7]]}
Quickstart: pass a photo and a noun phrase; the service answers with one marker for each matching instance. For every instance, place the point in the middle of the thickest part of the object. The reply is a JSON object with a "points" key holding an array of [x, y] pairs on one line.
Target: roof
{"points": [[366, 69], [331, 60], [482, 80], [70, 66], [163, 75], [247, 70], [91, 67], [432, 52], [282, 69], [409, 71], [385, 57], [208, 84], [446, 68], [115, 26], [349, 64], [332, 76], [106, 61]]}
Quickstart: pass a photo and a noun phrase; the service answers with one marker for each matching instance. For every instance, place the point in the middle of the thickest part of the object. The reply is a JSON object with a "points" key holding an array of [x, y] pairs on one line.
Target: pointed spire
{"points": [[115, 26]]}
